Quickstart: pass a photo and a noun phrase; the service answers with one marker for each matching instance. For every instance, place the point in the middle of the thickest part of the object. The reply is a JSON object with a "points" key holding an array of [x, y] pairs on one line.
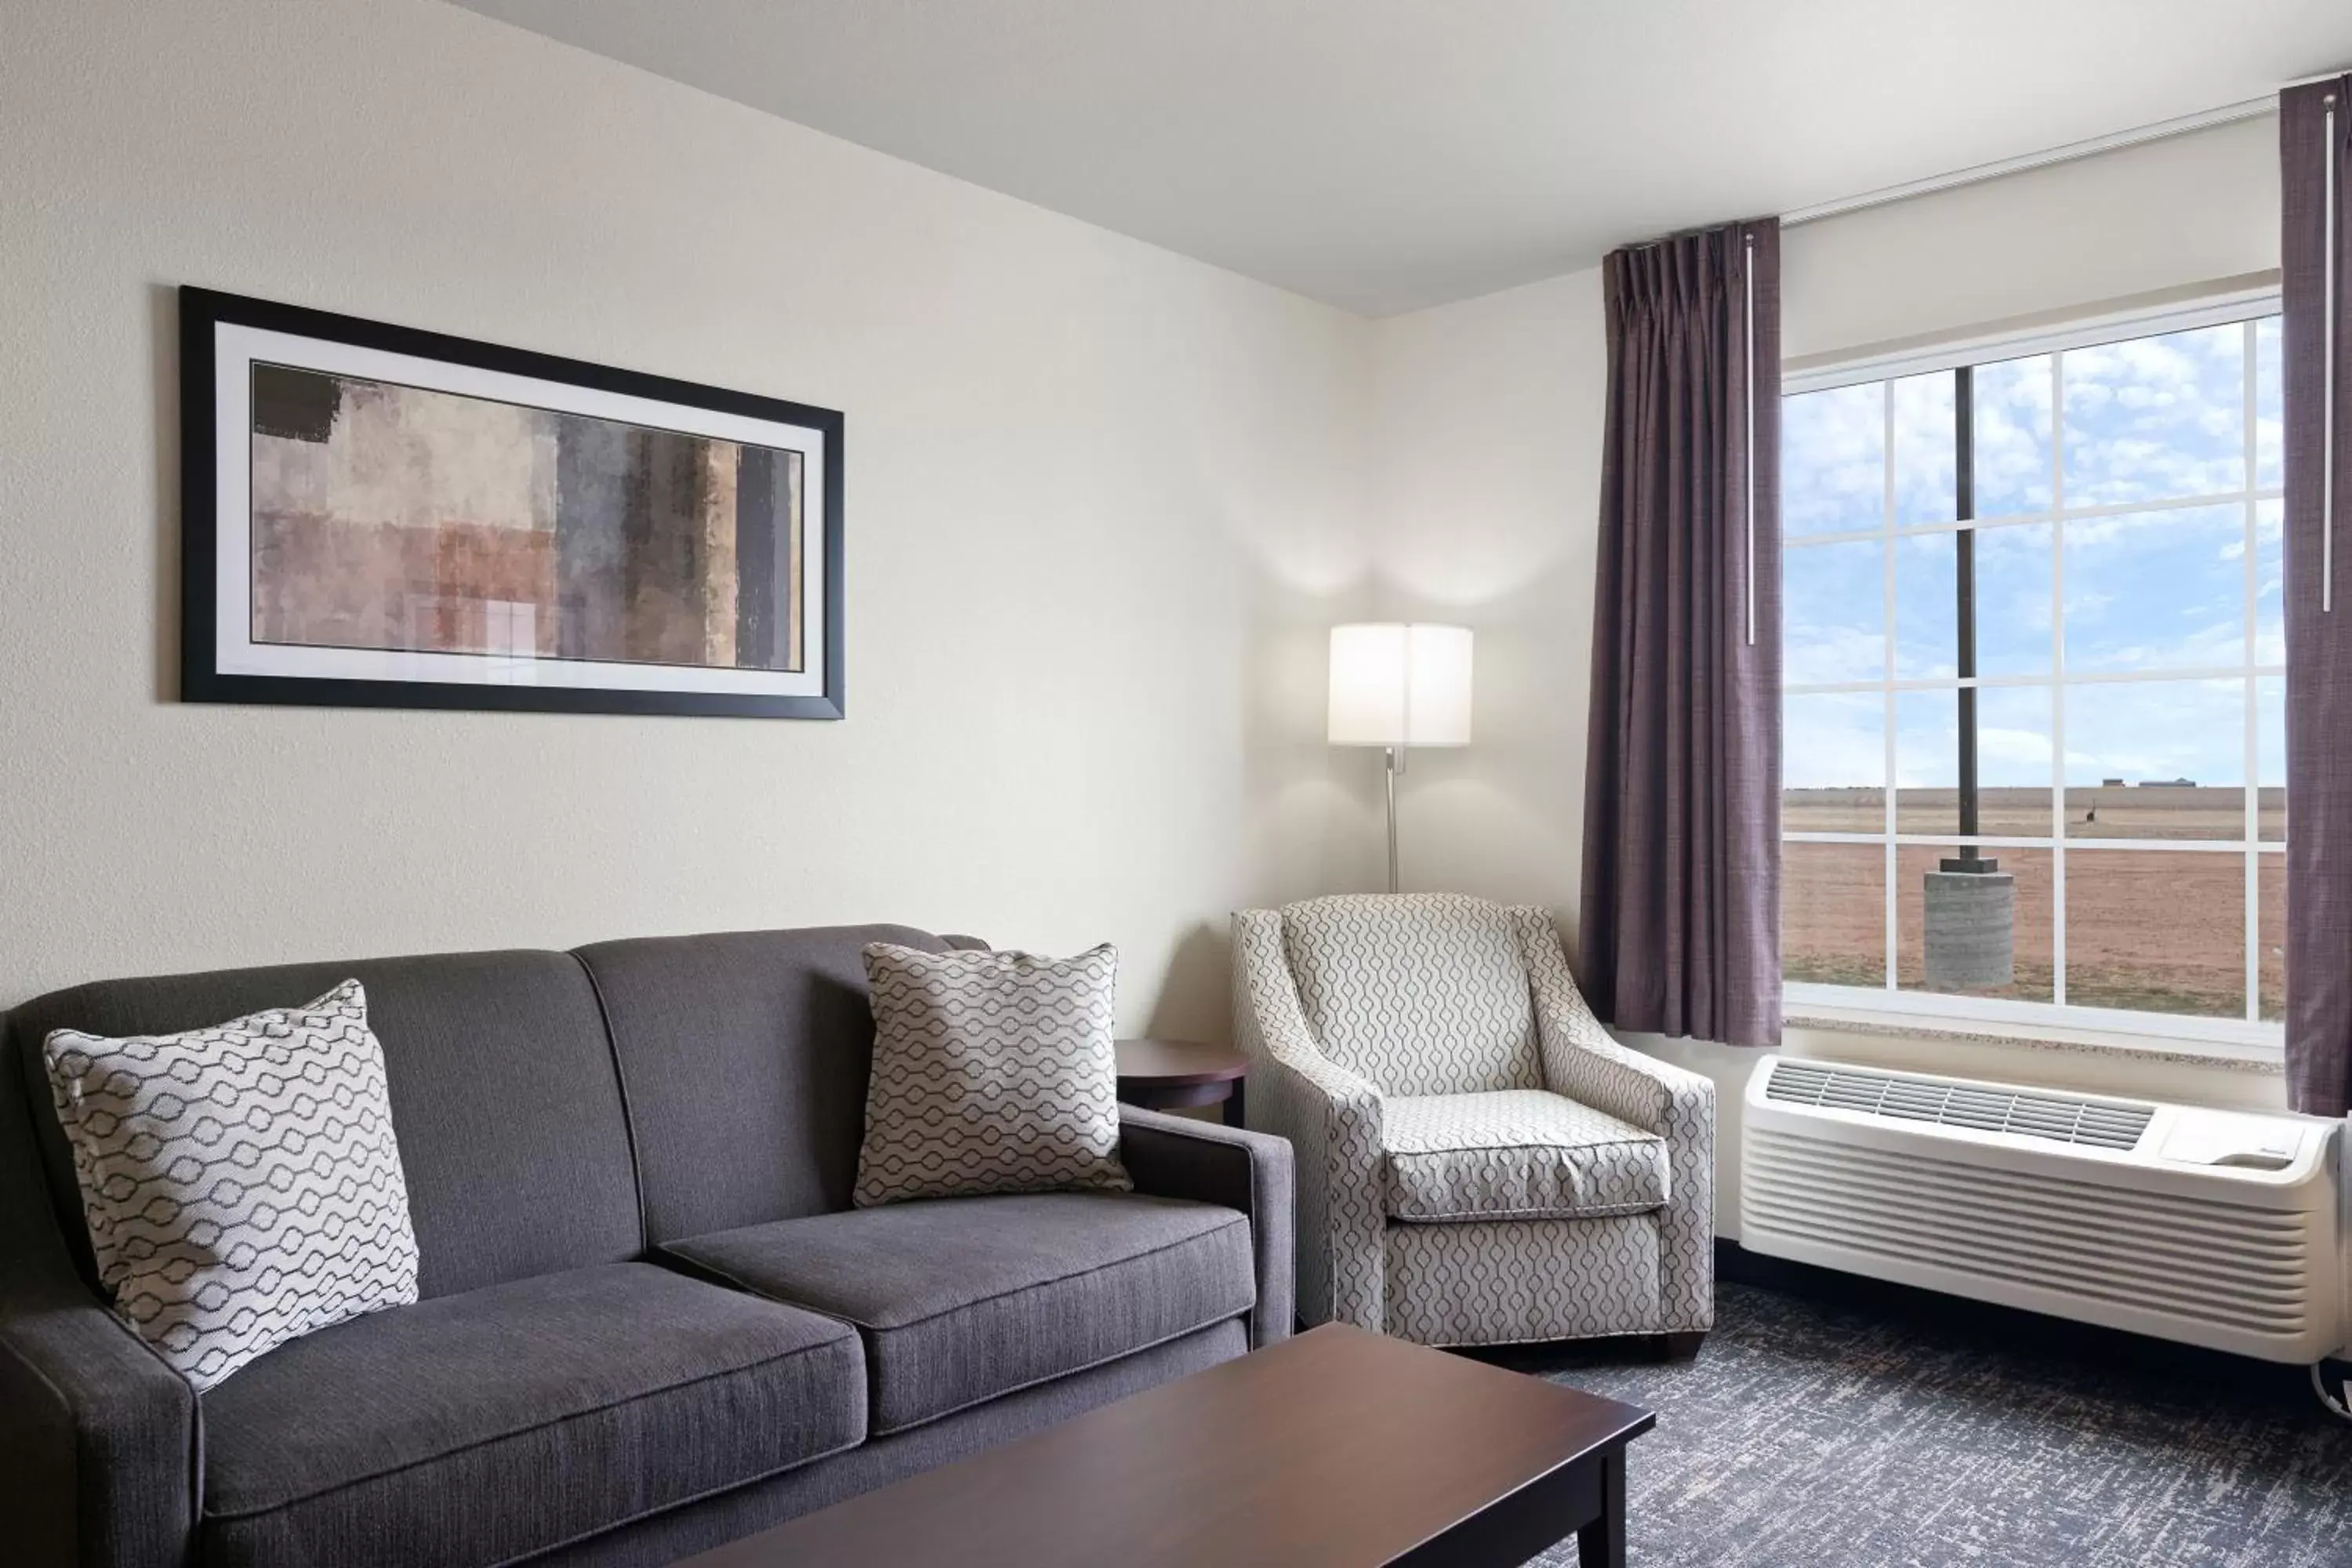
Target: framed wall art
{"points": [[376, 516]]}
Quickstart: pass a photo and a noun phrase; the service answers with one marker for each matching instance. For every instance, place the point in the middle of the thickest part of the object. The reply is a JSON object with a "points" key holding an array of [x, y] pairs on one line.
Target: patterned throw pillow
{"points": [[241, 1182], [993, 1073]]}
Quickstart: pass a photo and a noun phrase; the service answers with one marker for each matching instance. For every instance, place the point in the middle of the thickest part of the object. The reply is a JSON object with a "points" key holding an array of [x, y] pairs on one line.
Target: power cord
{"points": [[2335, 1405]]}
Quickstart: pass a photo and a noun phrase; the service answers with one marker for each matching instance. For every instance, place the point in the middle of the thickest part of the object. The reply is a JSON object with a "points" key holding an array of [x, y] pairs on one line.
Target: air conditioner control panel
{"points": [[2200, 1137]]}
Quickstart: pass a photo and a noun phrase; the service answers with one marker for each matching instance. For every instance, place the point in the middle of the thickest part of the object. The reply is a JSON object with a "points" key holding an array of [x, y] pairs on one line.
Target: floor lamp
{"points": [[1395, 685]]}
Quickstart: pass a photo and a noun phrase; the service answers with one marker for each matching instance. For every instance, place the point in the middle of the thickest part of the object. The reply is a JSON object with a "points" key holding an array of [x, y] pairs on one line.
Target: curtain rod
{"points": [[2162, 129]]}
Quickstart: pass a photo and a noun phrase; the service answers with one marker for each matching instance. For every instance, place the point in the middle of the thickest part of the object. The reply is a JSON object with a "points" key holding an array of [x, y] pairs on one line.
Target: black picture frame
{"points": [[203, 311]]}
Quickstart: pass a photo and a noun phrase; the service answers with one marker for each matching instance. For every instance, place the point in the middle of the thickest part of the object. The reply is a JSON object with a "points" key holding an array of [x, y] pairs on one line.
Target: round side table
{"points": [[1162, 1075]]}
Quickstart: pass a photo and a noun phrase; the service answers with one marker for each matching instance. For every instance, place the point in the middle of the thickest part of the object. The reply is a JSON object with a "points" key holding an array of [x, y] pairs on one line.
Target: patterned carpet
{"points": [[1863, 1427]]}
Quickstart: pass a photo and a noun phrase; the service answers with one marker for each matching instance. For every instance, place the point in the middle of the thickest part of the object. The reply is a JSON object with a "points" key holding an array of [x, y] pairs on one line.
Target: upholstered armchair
{"points": [[1477, 1161]]}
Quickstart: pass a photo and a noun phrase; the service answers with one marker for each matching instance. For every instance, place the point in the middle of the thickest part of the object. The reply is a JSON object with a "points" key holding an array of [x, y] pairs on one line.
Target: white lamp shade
{"points": [[1394, 684]]}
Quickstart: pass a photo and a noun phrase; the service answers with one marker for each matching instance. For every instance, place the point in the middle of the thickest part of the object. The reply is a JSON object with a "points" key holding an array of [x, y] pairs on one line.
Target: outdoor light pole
{"points": [[1969, 904], [1965, 562]]}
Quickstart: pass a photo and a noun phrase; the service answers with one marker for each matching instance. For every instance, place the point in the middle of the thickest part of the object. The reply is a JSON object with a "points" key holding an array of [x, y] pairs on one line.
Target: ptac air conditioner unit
{"points": [[2216, 1227]]}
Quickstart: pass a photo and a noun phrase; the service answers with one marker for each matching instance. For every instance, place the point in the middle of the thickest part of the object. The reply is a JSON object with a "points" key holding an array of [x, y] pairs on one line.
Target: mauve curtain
{"points": [[2318, 614], [1681, 930]]}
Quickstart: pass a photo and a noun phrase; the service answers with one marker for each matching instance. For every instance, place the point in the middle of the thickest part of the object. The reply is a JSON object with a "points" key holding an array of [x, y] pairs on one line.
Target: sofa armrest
{"points": [[1176, 1157], [98, 1439], [99, 1448]]}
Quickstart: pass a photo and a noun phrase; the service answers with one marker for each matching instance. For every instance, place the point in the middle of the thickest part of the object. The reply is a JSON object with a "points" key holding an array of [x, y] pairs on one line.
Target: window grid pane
{"points": [[2131, 538]]}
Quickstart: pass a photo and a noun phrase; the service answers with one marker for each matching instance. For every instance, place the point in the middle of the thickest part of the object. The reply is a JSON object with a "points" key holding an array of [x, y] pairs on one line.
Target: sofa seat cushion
{"points": [[961, 1299], [479, 1427], [1516, 1154]]}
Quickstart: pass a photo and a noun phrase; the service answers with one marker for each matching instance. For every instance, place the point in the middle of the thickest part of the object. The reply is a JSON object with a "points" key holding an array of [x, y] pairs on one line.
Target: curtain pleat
{"points": [[1681, 917], [2318, 640]]}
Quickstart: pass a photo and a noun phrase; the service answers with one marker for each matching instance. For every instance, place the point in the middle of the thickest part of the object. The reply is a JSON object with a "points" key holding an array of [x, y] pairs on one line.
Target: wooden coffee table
{"points": [[1336, 1449]]}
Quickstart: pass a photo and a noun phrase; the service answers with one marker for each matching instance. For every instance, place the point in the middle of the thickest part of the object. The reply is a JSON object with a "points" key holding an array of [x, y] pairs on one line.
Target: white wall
{"points": [[1486, 422], [1102, 502], [1487, 425]]}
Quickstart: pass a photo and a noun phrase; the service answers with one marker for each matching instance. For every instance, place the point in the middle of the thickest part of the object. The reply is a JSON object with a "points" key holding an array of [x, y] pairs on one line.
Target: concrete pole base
{"points": [[1971, 930]]}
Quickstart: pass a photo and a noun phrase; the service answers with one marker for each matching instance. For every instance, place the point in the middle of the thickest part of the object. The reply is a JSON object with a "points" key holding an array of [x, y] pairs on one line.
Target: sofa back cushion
{"points": [[1416, 993], [504, 1100], [744, 1057]]}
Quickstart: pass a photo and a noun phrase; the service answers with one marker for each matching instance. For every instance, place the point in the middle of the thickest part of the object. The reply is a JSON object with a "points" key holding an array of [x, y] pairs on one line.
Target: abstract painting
{"points": [[387, 517]]}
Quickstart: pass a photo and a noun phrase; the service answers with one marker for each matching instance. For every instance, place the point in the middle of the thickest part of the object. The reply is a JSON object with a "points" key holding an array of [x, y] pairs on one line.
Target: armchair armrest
{"points": [[99, 1447], [1176, 1157], [1332, 1118], [1580, 1061]]}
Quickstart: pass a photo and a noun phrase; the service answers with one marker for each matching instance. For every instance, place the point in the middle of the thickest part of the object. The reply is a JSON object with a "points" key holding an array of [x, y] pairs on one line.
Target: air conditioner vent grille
{"points": [[2191, 1261], [2060, 1117]]}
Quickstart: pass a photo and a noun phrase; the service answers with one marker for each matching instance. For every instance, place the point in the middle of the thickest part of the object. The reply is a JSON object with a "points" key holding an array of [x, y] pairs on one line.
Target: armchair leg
{"points": [[1679, 1347]]}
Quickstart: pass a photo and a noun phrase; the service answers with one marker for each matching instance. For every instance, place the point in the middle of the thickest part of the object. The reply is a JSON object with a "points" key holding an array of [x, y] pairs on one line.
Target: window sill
{"points": [[2259, 1057]]}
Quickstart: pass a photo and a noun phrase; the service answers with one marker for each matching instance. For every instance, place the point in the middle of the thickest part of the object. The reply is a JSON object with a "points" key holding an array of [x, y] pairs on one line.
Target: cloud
{"points": [[1833, 461], [2159, 419], [2013, 738], [1833, 612], [2156, 419], [2171, 729], [2270, 414], [2025, 748], [2143, 590], [1828, 655], [1835, 740], [1926, 451], [2011, 436]]}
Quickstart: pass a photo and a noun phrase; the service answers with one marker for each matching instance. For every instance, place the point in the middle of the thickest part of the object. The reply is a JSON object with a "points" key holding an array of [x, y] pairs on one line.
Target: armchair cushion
{"points": [[1516, 1154], [1423, 994]]}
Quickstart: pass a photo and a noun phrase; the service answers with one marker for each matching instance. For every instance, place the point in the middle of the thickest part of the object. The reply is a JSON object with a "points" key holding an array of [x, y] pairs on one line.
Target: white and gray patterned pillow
{"points": [[993, 1073], [241, 1182]]}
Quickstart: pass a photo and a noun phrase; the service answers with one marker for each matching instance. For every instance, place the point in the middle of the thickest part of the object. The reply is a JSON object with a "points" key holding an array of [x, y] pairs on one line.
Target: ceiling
{"points": [[1389, 154]]}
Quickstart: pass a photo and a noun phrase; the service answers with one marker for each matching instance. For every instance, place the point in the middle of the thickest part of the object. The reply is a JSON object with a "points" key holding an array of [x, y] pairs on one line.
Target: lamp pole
{"points": [[1395, 765], [1395, 685]]}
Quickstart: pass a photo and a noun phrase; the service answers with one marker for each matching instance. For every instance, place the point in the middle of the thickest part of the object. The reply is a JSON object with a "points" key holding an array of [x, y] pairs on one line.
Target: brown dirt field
{"points": [[2146, 930], [2139, 812]]}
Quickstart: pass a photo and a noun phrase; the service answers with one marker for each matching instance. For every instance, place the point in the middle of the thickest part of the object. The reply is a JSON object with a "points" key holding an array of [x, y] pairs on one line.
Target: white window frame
{"points": [[2250, 1037]]}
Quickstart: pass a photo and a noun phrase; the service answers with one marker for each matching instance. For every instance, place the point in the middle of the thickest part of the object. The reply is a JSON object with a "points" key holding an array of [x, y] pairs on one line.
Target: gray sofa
{"points": [[650, 1319]]}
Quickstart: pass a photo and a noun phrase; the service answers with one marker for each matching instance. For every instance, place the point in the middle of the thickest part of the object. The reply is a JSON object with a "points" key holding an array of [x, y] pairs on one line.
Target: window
{"points": [[2035, 759]]}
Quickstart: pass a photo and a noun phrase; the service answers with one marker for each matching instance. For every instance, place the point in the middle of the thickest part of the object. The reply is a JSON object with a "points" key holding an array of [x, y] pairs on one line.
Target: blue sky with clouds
{"points": [[2154, 419]]}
